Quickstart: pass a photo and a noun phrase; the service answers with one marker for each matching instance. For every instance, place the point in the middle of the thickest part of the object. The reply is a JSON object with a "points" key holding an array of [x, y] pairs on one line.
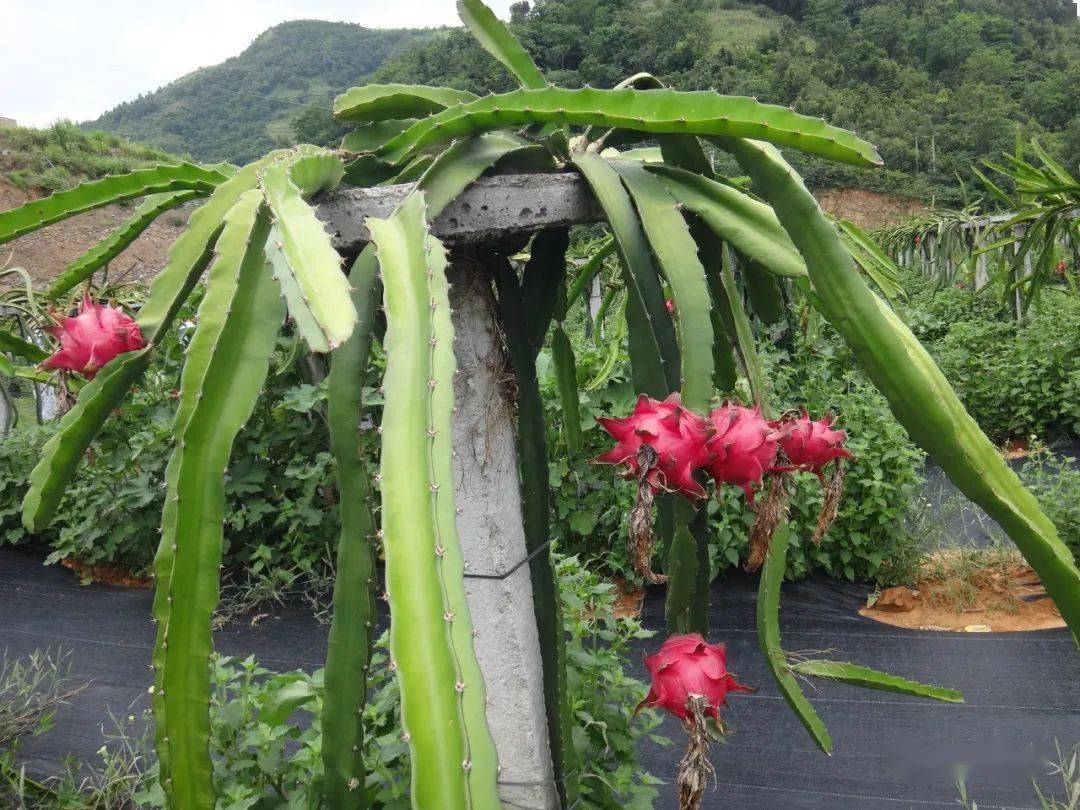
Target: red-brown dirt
{"points": [[868, 209], [46, 252]]}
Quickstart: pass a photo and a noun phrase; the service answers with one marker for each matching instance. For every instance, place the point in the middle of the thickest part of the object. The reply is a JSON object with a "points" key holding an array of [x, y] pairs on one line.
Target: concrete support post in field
{"points": [[488, 497], [7, 411]]}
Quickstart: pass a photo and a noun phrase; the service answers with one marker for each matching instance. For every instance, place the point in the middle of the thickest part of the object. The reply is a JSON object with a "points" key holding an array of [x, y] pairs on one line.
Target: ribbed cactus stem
{"points": [[227, 362], [453, 756], [351, 631]]}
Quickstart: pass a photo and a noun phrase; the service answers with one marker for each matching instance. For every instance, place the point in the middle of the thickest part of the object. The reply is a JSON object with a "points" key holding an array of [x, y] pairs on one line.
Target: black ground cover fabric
{"points": [[1023, 691]]}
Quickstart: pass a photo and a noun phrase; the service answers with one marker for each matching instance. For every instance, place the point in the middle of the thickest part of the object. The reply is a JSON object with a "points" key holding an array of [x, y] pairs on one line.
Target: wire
{"points": [[505, 574]]}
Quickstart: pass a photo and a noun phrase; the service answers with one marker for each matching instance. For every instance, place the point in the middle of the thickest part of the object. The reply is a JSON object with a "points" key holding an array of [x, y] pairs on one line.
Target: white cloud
{"points": [[76, 59]]}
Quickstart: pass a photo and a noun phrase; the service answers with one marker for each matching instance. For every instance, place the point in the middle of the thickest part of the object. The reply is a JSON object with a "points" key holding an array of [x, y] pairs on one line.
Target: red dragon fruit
{"points": [[810, 445], [685, 666], [676, 434], [92, 338], [690, 680], [744, 447]]}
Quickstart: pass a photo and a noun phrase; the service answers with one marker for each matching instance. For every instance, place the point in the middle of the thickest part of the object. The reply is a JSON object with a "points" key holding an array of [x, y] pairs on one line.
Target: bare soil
{"points": [[868, 209], [105, 574], [45, 253], [999, 600]]}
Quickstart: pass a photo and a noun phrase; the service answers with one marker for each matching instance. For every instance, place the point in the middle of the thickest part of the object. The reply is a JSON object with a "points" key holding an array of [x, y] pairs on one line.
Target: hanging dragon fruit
{"points": [[666, 447], [93, 337], [690, 679]]}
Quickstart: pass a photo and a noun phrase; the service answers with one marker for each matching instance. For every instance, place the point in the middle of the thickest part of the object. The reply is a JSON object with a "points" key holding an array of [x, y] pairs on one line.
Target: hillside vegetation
{"points": [[242, 108], [62, 155], [936, 84], [35, 162]]}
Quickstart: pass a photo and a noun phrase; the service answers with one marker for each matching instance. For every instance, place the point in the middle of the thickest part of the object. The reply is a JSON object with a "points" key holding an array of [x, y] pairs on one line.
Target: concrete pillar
{"points": [[981, 276], [488, 497], [48, 402], [596, 297], [7, 411], [1018, 233]]}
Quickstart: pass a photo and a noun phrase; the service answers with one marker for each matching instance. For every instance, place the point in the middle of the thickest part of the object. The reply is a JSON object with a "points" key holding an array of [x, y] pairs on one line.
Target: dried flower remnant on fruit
{"points": [[691, 681]]}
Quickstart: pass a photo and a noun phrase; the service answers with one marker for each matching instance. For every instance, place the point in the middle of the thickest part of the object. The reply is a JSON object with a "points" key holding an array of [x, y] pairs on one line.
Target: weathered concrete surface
{"points": [[488, 498], [489, 209]]}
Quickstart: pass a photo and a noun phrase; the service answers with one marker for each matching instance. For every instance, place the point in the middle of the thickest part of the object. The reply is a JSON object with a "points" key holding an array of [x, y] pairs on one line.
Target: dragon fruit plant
{"points": [[265, 255]]}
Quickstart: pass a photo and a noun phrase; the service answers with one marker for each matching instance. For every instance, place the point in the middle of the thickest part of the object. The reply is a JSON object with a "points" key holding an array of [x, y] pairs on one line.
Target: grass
{"points": [[740, 28], [971, 578], [733, 26], [1065, 767], [62, 155], [31, 691]]}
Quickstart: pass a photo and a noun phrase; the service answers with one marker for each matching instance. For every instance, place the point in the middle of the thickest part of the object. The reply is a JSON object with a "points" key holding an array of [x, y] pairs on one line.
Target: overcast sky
{"points": [[77, 58]]}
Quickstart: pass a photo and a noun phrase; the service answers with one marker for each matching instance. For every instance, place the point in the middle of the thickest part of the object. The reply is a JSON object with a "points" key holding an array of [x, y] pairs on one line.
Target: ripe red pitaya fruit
{"points": [[690, 679], [92, 338], [677, 435], [744, 447], [810, 445], [685, 666]]}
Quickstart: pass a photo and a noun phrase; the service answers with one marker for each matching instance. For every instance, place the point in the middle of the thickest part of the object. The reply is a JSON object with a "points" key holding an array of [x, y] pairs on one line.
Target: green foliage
{"points": [[869, 538], [240, 109], [1055, 481], [1017, 380], [607, 729], [257, 752], [930, 81], [60, 156], [266, 728], [280, 515]]}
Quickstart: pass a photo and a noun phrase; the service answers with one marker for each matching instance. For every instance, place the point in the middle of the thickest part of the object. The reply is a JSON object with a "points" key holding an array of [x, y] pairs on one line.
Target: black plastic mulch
{"points": [[1022, 689]]}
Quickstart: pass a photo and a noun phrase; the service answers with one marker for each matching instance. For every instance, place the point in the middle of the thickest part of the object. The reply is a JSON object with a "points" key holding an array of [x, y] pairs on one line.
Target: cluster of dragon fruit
{"points": [[668, 448]]}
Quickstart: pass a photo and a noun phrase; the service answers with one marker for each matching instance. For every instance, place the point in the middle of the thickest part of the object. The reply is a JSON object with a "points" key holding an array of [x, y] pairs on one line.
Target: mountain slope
{"points": [[36, 162], [937, 85], [243, 107]]}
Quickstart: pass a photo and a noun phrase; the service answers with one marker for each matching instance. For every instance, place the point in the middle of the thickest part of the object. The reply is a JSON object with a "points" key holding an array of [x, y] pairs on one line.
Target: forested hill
{"points": [[936, 84], [245, 106]]}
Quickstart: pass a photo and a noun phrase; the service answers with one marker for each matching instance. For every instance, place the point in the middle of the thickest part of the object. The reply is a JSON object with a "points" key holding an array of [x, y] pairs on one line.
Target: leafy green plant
{"points": [[267, 730], [1055, 480], [607, 728], [870, 536], [1016, 380]]}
